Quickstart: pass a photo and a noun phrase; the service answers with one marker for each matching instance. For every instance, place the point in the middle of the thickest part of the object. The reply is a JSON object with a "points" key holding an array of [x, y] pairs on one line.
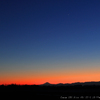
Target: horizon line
{"points": [[48, 82]]}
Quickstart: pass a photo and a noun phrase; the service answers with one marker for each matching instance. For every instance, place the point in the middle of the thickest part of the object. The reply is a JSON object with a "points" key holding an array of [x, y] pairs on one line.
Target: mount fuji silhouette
{"points": [[47, 84]]}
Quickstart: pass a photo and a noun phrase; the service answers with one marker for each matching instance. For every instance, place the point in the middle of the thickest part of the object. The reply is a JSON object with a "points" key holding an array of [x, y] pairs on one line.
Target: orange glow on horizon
{"points": [[53, 77], [54, 80]]}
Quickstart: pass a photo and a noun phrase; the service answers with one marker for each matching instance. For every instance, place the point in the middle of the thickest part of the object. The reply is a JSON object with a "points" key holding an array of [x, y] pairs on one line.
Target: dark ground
{"points": [[35, 92]]}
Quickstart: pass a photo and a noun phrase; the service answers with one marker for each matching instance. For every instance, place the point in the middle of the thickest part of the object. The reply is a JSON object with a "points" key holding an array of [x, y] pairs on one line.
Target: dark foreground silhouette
{"points": [[60, 91]]}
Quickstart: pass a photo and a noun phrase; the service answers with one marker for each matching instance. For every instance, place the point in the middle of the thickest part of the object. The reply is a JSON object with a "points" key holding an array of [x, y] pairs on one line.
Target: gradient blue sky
{"points": [[48, 36]]}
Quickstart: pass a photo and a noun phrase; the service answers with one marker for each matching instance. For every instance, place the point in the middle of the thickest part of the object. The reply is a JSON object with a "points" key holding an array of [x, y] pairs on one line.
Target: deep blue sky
{"points": [[35, 33]]}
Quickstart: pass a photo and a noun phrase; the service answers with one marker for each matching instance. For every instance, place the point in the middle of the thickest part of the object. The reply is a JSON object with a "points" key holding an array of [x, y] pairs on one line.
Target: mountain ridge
{"points": [[67, 84]]}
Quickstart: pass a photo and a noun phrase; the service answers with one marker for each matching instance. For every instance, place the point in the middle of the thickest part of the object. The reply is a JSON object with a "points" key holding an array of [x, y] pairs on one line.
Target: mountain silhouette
{"points": [[72, 84], [47, 84]]}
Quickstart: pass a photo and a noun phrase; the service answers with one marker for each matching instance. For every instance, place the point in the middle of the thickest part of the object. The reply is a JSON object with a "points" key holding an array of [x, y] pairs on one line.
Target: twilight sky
{"points": [[56, 41]]}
